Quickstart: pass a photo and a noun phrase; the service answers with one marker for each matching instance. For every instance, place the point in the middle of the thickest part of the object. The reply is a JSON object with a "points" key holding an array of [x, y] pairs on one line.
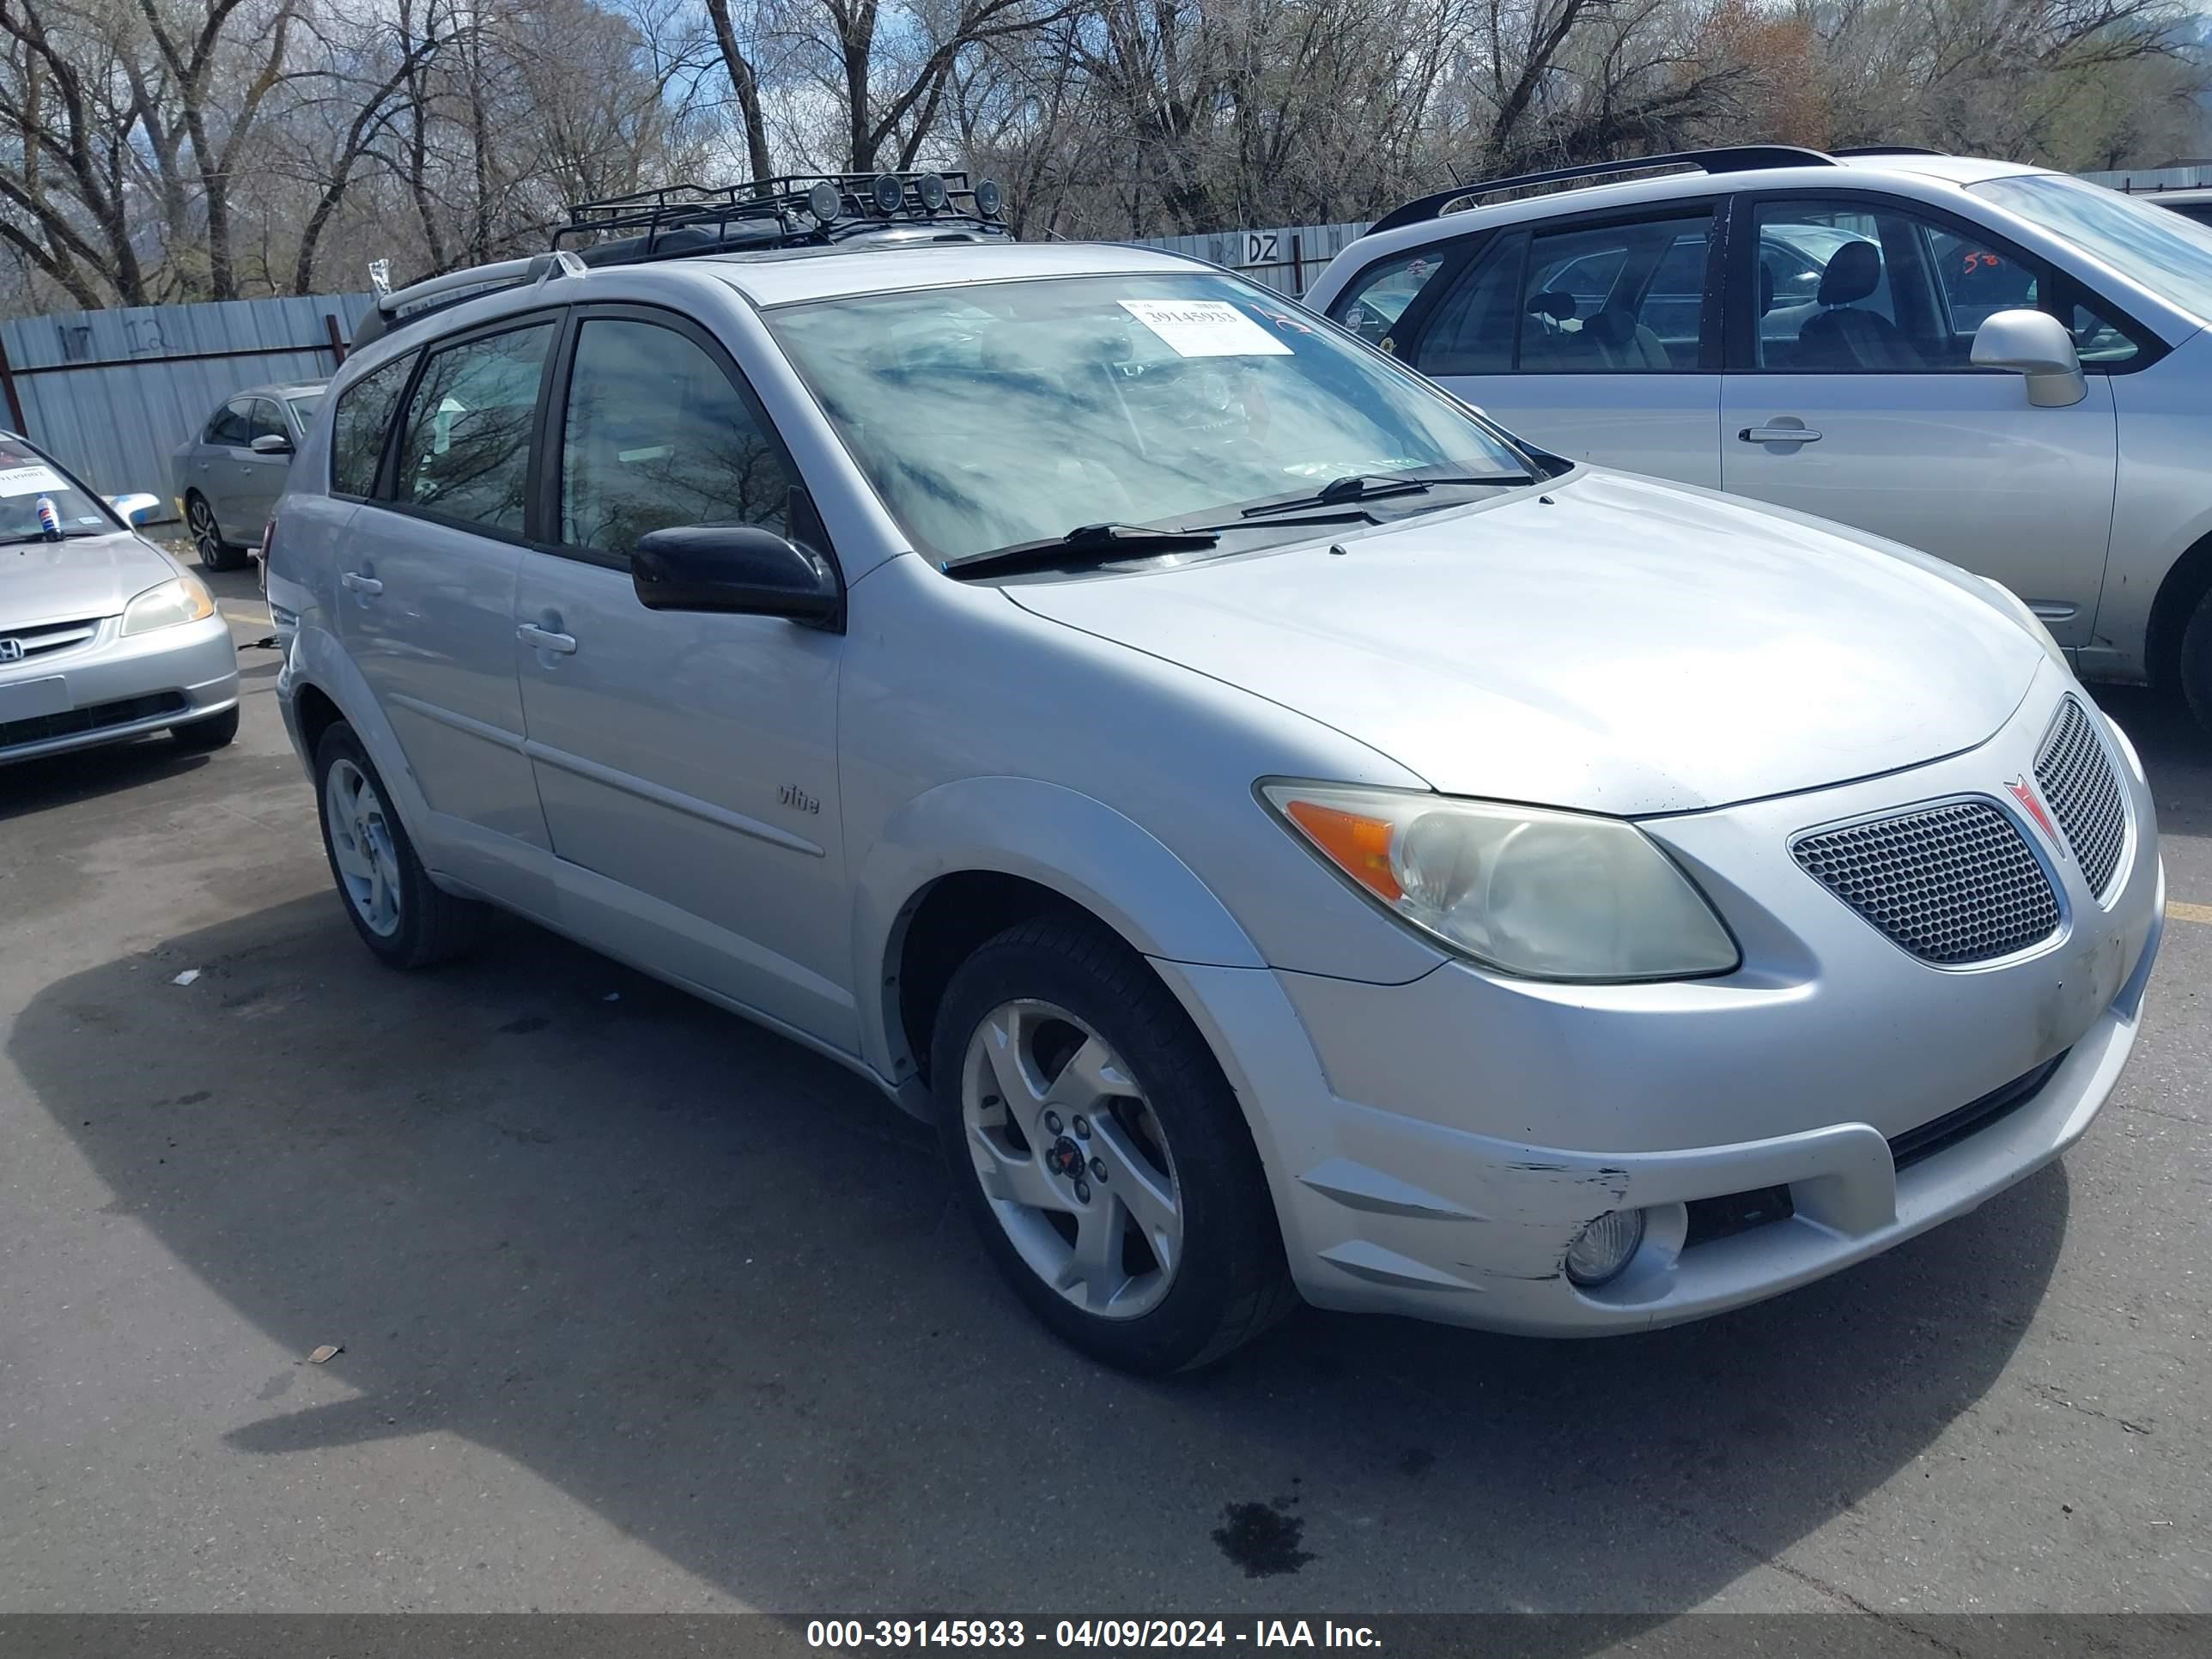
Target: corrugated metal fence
{"points": [[2142, 178], [1286, 259], [112, 393]]}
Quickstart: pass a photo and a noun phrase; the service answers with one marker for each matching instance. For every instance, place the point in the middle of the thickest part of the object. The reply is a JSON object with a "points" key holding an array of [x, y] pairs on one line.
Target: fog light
{"points": [[1601, 1250]]}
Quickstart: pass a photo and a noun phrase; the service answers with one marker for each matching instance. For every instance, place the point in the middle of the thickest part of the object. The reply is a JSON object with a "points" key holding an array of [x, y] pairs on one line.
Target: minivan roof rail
{"points": [[1733, 158], [396, 307], [1886, 149]]}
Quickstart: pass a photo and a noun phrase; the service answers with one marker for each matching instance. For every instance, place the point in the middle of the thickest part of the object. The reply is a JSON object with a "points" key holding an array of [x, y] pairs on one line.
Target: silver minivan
{"points": [[2004, 366], [1292, 838]]}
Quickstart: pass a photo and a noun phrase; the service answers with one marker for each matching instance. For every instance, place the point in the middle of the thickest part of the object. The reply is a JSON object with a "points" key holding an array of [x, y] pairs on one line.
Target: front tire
{"points": [[215, 553], [1101, 1152], [404, 917]]}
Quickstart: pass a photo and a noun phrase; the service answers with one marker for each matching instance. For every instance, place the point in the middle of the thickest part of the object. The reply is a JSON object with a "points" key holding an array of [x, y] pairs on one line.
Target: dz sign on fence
{"points": [[1262, 247]]}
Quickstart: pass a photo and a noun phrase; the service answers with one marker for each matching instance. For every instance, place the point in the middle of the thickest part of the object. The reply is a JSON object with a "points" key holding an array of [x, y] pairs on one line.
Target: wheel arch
{"points": [[321, 685], [966, 859], [2182, 589]]}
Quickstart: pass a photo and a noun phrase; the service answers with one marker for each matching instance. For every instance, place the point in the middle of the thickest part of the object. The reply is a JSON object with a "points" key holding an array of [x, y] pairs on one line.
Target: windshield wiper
{"points": [[1096, 541], [40, 536], [1367, 487]]}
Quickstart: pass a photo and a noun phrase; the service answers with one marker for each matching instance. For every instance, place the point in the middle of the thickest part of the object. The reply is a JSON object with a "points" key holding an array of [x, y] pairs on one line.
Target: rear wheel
{"points": [[2197, 662], [214, 732], [1101, 1152], [216, 554], [401, 915]]}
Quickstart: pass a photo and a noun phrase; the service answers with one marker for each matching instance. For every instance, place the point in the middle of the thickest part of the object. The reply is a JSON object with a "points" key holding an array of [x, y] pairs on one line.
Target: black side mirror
{"points": [[272, 443], [735, 568]]}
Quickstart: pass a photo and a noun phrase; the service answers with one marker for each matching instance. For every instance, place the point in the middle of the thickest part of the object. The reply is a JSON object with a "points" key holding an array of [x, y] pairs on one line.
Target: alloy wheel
{"points": [[1072, 1159], [207, 537], [363, 848]]}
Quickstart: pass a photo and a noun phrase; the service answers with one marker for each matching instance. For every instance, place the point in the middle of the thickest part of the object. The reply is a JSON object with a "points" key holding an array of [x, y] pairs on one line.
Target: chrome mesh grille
{"points": [[1952, 883], [2075, 775]]}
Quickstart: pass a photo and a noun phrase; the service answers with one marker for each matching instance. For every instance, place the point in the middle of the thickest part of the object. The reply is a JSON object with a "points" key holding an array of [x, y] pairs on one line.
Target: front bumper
{"points": [[110, 689], [1435, 1147]]}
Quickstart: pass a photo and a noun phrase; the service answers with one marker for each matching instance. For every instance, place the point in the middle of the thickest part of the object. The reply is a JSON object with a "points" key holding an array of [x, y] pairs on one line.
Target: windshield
{"points": [[25, 476], [1009, 412], [2166, 253]]}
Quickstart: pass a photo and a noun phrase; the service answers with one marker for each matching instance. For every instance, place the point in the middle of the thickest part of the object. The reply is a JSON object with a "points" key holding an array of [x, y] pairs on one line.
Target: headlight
{"points": [[182, 600], [1542, 894]]}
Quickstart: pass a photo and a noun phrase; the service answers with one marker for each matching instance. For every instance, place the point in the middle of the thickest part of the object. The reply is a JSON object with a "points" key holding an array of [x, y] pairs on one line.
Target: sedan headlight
{"points": [[1540, 894], [183, 599]]}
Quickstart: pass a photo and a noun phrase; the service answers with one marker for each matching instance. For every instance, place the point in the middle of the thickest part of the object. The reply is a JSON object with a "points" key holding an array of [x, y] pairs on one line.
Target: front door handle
{"points": [[367, 586], [546, 640], [1778, 435]]}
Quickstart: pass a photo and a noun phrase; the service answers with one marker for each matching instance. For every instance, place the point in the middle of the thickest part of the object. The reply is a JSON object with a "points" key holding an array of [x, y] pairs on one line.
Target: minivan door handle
{"points": [[546, 640], [355, 582], [1778, 435]]}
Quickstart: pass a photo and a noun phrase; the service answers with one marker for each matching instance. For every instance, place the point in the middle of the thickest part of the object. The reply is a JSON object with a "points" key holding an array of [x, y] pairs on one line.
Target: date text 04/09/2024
{"points": [[854, 1635]]}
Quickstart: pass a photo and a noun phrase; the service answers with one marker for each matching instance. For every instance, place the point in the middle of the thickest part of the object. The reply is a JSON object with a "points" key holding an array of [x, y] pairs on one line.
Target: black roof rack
{"points": [[1734, 158], [790, 210], [1887, 150]]}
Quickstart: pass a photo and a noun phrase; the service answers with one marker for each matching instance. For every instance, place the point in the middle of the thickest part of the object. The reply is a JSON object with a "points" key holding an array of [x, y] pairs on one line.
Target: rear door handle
{"points": [[546, 640], [368, 586], [1778, 435]]}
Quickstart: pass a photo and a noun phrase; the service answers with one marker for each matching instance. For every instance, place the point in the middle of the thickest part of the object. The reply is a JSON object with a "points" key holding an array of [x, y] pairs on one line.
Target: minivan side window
{"points": [[465, 445], [1371, 307], [358, 424], [655, 435], [1616, 299], [1471, 330]]}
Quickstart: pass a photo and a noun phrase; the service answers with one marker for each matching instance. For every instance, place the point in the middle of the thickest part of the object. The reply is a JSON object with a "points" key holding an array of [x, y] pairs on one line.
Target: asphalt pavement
{"points": [[639, 1307]]}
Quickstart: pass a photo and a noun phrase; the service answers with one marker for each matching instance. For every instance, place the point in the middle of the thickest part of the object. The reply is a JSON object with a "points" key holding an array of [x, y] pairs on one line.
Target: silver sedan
{"points": [[228, 474], [102, 635]]}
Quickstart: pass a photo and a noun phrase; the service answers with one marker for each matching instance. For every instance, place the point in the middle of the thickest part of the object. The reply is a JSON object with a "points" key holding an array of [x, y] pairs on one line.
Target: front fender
{"points": [[1045, 833]]}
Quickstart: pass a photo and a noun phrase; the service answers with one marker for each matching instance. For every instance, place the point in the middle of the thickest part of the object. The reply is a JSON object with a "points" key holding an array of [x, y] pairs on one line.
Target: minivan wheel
{"points": [[2197, 662], [216, 554], [1101, 1152], [401, 915]]}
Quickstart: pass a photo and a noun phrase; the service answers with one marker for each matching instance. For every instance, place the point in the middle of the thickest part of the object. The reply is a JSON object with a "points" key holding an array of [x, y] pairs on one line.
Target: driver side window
{"points": [[656, 435], [1849, 287]]}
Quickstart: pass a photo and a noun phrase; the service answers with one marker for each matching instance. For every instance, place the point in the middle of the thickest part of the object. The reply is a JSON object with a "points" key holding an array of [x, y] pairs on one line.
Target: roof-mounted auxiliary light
{"points": [[931, 189], [888, 193], [986, 198], [824, 201]]}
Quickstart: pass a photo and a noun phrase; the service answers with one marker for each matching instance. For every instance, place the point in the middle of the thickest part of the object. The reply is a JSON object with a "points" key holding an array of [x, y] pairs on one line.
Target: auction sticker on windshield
{"points": [[1205, 328], [29, 480]]}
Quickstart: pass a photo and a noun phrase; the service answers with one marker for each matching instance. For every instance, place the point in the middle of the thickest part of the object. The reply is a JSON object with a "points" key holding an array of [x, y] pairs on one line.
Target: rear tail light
{"points": [[268, 541]]}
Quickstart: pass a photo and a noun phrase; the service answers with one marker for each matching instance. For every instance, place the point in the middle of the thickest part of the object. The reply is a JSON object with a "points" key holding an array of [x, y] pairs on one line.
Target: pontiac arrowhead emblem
{"points": [[2024, 793]]}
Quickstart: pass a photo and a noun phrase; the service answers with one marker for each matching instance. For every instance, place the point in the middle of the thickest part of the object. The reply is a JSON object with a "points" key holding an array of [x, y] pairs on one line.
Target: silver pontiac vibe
{"points": [[1294, 839]]}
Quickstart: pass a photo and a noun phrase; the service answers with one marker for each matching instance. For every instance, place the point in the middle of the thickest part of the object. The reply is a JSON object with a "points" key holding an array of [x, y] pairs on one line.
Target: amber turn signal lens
{"points": [[1360, 846]]}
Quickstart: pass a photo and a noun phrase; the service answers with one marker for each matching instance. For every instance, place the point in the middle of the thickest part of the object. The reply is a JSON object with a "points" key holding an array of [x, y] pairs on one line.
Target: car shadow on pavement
{"points": [[36, 786], [713, 1287]]}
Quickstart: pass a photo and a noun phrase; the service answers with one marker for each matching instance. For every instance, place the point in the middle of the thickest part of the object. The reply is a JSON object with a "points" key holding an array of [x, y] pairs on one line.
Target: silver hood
{"points": [[74, 581], [1629, 647]]}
